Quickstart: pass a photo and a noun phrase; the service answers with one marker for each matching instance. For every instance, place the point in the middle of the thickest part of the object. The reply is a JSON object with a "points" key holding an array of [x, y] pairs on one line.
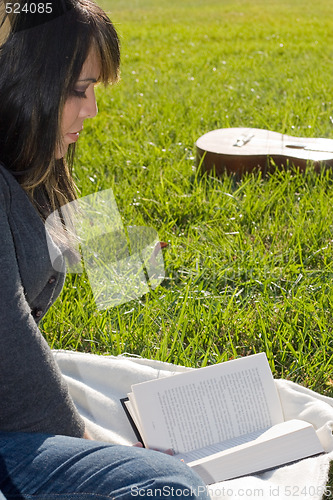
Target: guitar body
{"points": [[239, 150]]}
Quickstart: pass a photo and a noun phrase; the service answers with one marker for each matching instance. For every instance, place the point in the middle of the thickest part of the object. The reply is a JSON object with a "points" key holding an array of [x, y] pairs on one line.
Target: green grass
{"points": [[249, 263]]}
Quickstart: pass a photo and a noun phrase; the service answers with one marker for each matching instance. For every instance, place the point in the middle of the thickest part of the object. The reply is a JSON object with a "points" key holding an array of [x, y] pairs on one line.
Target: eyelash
{"points": [[79, 94]]}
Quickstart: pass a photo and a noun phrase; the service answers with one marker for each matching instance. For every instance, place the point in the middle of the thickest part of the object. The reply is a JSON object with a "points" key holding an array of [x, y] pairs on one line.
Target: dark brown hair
{"points": [[40, 63]]}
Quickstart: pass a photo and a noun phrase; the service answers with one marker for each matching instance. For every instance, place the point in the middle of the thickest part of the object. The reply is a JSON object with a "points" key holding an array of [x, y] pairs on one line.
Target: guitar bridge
{"points": [[242, 140]]}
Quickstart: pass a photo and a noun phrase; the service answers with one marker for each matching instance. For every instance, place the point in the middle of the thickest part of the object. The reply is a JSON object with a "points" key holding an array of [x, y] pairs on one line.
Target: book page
{"points": [[207, 451], [209, 405], [283, 443]]}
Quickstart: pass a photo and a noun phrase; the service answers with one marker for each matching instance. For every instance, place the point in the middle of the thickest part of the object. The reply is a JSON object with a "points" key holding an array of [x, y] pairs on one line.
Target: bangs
{"points": [[104, 38], [109, 56], [93, 31]]}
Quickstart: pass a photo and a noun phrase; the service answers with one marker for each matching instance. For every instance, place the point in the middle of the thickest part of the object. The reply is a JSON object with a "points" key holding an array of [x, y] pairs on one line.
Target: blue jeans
{"points": [[43, 467]]}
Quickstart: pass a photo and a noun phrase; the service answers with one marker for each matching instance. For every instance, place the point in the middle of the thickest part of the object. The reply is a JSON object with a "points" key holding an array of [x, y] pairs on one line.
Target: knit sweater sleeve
{"points": [[33, 394]]}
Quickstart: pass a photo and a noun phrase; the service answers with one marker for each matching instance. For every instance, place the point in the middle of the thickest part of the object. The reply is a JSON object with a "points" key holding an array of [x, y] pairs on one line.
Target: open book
{"points": [[224, 420]]}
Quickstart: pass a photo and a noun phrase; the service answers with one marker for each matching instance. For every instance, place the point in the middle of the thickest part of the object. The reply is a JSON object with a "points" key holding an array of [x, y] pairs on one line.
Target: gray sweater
{"points": [[33, 394]]}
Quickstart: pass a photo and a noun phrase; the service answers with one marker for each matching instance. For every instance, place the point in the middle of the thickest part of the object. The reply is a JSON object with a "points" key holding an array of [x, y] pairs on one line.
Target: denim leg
{"points": [[42, 467]]}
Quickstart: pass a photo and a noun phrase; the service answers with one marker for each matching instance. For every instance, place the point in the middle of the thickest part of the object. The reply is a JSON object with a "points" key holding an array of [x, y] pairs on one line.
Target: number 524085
{"points": [[32, 8]]}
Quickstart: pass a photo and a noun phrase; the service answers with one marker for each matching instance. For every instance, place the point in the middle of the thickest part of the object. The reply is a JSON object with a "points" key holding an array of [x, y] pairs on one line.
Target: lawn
{"points": [[248, 266]]}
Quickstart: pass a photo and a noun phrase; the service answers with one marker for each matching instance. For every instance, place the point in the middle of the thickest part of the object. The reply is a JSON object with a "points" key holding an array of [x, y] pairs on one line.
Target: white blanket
{"points": [[97, 383]]}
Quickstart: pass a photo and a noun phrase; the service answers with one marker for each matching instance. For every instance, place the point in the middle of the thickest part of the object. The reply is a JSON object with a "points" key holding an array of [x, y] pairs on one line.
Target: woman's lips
{"points": [[73, 137]]}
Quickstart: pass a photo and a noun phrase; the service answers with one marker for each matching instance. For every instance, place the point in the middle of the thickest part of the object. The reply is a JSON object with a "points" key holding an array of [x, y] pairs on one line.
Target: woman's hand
{"points": [[86, 435]]}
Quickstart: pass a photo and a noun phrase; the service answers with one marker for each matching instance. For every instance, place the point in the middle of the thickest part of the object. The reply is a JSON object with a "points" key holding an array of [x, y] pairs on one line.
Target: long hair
{"points": [[40, 62]]}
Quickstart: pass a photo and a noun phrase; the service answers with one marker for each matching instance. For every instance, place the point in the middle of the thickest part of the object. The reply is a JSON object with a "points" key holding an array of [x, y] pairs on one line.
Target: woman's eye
{"points": [[79, 93]]}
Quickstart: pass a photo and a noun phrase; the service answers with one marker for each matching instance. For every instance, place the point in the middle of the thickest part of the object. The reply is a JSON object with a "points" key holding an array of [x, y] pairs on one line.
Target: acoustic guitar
{"points": [[239, 150]]}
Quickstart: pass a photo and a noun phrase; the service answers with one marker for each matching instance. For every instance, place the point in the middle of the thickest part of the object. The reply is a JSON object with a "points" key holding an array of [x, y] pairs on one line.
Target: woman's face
{"points": [[80, 105]]}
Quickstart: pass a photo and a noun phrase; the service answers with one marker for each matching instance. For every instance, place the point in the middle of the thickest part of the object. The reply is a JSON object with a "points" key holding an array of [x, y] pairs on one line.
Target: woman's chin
{"points": [[61, 151]]}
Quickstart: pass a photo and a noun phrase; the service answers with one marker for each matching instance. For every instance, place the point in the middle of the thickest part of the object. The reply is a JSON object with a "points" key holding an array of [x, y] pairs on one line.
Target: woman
{"points": [[51, 58]]}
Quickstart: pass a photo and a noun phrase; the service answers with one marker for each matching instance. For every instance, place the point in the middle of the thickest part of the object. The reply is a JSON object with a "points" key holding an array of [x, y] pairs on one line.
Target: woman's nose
{"points": [[89, 108]]}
